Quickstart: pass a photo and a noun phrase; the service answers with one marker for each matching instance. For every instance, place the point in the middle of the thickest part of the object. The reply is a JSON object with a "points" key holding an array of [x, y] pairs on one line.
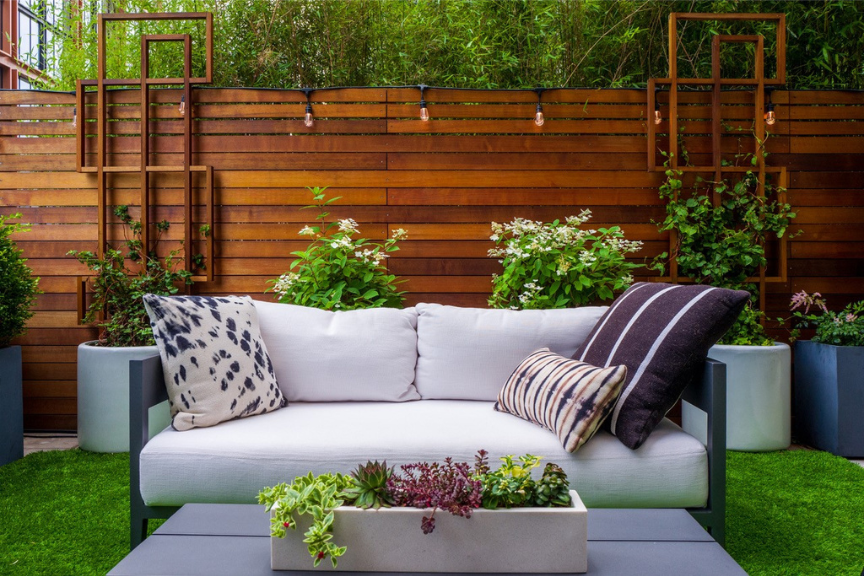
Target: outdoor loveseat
{"points": [[410, 385]]}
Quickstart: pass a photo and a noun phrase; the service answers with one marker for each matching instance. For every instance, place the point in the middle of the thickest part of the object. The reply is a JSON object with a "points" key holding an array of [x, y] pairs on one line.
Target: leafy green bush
{"points": [[462, 43], [723, 245], [844, 328], [118, 289], [18, 286], [337, 271], [559, 265]]}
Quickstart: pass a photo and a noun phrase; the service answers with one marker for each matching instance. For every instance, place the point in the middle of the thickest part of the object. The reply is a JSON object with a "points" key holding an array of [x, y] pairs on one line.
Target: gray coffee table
{"points": [[233, 540]]}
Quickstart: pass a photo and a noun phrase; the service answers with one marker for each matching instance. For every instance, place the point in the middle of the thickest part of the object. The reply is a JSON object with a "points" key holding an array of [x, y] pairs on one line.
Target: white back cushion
{"points": [[469, 353], [357, 355]]}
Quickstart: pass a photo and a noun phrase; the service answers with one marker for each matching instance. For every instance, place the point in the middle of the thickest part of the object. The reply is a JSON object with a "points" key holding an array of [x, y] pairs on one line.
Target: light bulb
{"points": [[74, 117], [658, 117], [539, 120], [183, 105], [424, 112], [770, 119], [309, 121]]}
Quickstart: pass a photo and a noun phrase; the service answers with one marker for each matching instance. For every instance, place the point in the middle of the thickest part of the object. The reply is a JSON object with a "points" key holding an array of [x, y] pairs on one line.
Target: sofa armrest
{"points": [[146, 389], [708, 394]]}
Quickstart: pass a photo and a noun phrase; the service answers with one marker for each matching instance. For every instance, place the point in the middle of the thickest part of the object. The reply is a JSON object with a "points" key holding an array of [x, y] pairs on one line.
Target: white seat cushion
{"points": [[231, 462]]}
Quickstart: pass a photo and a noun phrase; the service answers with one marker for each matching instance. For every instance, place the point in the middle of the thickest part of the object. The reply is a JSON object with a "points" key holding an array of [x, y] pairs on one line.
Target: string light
{"points": [[183, 105], [658, 117], [770, 118], [539, 120], [74, 117], [424, 111], [309, 120]]}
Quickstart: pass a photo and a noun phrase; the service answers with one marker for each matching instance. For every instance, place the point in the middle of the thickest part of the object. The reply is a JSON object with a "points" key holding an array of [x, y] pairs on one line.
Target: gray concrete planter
{"points": [[519, 540], [103, 395], [829, 397], [758, 396], [11, 405]]}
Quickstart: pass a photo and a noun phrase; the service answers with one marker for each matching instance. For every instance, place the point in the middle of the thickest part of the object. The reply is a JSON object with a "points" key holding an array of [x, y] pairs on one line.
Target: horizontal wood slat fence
{"points": [[479, 159]]}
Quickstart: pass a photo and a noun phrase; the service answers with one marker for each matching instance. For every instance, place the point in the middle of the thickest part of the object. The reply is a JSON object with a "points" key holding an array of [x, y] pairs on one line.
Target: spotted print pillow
{"points": [[215, 363]]}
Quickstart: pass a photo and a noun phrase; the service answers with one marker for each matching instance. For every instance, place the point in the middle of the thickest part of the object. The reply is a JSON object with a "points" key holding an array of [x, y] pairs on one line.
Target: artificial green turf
{"points": [[64, 512], [795, 512], [799, 512]]}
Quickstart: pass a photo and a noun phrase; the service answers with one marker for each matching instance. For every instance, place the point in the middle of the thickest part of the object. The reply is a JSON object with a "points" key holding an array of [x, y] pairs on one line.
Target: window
{"points": [[36, 25]]}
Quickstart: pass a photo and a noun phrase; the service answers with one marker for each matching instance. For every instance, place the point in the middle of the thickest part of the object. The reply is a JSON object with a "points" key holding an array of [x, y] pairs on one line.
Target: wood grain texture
{"points": [[479, 159]]}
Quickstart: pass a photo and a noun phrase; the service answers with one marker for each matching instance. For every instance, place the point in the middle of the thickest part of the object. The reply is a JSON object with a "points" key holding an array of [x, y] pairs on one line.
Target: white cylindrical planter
{"points": [[103, 395], [758, 396]]}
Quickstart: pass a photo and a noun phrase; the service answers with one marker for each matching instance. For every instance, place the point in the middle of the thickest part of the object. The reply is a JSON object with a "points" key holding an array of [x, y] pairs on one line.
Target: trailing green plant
{"points": [[118, 288], [368, 487], [313, 496], [511, 485], [559, 265], [18, 286], [844, 328], [338, 271]]}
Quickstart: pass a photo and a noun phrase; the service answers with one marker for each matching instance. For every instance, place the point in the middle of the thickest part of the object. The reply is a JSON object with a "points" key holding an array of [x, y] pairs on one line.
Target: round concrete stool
{"points": [[103, 395], [758, 396]]}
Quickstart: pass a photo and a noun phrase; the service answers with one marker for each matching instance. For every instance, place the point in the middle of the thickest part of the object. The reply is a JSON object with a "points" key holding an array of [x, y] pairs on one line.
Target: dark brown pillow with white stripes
{"points": [[568, 397], [662, 333]]}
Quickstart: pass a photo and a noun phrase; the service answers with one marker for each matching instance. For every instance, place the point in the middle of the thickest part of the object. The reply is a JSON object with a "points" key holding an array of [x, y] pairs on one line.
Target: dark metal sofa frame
{"points": [[707, 393]]}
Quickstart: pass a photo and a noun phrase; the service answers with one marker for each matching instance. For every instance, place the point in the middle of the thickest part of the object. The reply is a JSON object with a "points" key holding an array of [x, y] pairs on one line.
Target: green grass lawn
{"points": [[787, 513]]}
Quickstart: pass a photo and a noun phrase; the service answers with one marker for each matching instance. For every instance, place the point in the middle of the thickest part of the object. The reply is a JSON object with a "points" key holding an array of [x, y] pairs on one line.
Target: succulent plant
{"points": [[511, 486], [369, 486], [553, 489]]}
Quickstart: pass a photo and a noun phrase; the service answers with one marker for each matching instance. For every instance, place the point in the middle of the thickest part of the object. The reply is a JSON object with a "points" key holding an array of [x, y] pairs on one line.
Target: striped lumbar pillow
{"points": [[662, 333], [568, 397]]}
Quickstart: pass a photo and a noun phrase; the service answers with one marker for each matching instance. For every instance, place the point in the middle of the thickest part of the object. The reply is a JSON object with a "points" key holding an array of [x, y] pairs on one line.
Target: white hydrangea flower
{"points": [[307, 231], [347, 225]]}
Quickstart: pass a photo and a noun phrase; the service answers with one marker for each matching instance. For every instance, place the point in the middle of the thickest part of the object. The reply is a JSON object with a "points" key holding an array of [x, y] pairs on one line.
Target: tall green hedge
{"points": [[467, 43]]}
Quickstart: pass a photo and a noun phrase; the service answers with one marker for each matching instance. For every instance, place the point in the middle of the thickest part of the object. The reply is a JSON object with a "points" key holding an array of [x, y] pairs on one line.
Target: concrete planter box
{"points": [[758, 396], [519, 540], [103, 395], [11, 405], [829, 397]]}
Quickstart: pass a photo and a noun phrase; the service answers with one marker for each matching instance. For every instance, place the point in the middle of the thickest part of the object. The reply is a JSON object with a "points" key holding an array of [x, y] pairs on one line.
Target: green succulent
{"points": [[368, 487], [553, 489], [511, 485]]}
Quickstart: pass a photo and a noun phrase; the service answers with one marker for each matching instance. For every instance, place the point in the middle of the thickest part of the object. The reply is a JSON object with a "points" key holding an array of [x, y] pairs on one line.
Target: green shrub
{"points": [[337, 271], [559, 265], [118, 289], [18, 286]]}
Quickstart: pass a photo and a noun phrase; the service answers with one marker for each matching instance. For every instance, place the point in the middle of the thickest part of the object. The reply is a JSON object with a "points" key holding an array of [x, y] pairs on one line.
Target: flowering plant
{"points": [[559, 265], [844, 328], [337, 271]]}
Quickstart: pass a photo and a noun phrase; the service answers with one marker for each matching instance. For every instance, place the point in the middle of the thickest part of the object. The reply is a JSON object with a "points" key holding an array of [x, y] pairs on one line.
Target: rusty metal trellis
{"points": [[145, 168], [759, 81]]}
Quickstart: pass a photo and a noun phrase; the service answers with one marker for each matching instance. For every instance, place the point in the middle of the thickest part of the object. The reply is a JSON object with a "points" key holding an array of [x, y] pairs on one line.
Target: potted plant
{"points": [[829, 373], [122, 277], [559, 264], [18, 290], [723, 245], [337, 271], [386, 518]]}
